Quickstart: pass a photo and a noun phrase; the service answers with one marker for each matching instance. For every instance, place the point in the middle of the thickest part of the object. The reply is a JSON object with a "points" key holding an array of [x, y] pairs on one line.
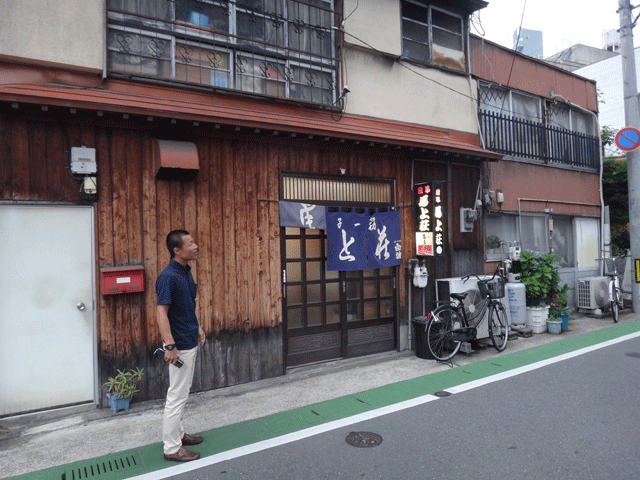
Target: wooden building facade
{"points": [[231, 207]]}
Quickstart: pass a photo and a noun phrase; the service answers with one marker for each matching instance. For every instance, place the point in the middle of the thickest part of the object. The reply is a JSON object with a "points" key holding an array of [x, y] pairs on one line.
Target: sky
{"points": [[563, 22]]}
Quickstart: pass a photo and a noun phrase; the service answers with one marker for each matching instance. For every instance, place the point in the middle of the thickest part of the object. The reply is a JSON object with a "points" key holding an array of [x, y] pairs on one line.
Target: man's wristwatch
{"points": [[170, 347]]}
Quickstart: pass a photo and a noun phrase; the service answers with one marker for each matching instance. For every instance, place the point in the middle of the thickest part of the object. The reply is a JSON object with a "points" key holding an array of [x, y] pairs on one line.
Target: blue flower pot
{"points": [[565, 321], [118, 403], [554, 326]]}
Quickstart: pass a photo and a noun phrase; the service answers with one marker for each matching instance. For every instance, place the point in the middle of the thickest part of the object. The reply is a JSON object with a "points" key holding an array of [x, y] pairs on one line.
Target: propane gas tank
{"points": [[516, 293]]}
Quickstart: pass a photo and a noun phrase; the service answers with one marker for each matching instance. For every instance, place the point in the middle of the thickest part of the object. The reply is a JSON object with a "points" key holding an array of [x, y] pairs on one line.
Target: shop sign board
{"points": [[429, 219]]}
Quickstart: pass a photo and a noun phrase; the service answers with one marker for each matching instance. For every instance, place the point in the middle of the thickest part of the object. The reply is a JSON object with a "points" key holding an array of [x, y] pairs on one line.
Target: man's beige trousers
{"points": [[180, 380]]}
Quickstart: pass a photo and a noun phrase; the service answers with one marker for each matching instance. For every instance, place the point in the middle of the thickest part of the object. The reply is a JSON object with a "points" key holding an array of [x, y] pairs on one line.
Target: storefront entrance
{"points": [[334, 314]]}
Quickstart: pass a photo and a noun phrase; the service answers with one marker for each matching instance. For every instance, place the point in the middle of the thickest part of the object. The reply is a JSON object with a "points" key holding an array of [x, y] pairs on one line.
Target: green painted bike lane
{"points": [[148, 459]]}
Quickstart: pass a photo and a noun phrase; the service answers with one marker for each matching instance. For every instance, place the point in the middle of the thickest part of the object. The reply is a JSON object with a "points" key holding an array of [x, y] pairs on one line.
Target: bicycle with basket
{"points": [[449, 325], [614, 290]]}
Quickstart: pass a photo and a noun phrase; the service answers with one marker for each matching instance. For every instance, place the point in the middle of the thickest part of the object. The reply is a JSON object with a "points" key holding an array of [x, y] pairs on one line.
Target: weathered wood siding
{"points": [[231, 208]]}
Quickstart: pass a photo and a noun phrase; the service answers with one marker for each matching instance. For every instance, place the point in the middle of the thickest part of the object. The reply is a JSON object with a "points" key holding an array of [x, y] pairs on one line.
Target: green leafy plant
{"points": [[539, 276], [493, 241], [124, 384], [558, 301]]}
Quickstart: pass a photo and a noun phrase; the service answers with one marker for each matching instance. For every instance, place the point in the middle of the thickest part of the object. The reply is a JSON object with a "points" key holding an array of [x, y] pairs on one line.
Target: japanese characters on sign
{"points": [[355, 241], [438, 213], [346, 241], [385, 239], [302, 215], [430, 227]]}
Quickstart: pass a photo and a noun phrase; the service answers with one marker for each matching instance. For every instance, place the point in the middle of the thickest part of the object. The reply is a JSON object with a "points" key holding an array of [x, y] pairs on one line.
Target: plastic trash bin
{"points": [[419, 325]]}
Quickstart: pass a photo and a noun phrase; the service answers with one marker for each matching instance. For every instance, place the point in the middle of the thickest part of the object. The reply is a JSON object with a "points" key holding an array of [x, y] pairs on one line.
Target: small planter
{"points": [[554, 326], [118, 403], [537, 318]]}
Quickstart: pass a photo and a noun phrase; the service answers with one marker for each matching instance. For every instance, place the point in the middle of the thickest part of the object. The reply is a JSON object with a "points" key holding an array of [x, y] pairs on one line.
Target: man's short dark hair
{"points": [[174, 240]]}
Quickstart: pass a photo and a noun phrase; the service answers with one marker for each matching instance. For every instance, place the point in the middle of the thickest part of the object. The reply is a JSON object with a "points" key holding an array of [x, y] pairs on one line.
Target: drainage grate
{"points": [[115, 466], [364, 439], [442, 393]]}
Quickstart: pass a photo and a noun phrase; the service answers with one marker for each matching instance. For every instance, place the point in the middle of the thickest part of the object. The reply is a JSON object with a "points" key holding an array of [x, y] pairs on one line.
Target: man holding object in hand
{"points": [[181, 335]]}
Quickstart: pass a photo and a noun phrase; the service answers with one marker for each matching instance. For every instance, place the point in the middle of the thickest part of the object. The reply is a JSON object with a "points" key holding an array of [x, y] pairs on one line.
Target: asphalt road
{"points": [[575, 419]]}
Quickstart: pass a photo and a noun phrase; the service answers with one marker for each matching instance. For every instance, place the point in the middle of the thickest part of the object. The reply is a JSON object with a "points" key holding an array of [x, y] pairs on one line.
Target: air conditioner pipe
{"points": [[555, 96]]}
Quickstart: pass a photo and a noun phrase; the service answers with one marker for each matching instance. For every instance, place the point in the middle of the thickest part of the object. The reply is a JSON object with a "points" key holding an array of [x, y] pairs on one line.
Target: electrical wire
{"points": [[347, 17]]}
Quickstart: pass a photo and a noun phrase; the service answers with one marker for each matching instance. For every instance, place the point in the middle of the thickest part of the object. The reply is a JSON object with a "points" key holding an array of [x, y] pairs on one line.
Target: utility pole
{"points": [[632, 119]]}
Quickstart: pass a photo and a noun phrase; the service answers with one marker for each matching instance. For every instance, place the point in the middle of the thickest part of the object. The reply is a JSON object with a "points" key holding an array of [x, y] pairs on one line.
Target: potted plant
{"points": [[558, 306], [121, 388], [541, 280], [494, 244]]}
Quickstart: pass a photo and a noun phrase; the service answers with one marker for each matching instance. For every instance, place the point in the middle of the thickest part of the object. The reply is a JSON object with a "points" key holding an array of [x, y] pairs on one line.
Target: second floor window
{"points": [[432, 36], [279, 48]]}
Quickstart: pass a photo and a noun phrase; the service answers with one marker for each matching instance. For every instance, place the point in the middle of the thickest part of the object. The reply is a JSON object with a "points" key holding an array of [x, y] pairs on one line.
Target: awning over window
{"points": [[175, 160]]}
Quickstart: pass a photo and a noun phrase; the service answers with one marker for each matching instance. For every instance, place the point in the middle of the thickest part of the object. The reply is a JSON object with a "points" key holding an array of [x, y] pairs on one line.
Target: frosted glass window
{"points": [[534, 233], [563, 243]]}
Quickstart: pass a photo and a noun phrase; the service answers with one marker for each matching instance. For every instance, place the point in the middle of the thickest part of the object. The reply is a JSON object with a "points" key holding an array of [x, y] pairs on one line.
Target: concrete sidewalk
{"points": [[30, 443]]}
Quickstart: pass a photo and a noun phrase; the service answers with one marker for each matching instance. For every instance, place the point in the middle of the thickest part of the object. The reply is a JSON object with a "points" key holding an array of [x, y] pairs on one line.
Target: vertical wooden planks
{"points": [[20, 157], [120, 158], [205, 285], [275, 280], [57, 160], [203, 237], [135, 302], [263, 270], [216, 233], [6, 161], [38, 160], [149, 241], [253, 240], [229, 238], [241, 236], [104, 241]]}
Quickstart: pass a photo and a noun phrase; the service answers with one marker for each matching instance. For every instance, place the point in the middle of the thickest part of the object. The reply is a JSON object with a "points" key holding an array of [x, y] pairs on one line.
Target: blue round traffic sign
{"points": [[628, 139]]}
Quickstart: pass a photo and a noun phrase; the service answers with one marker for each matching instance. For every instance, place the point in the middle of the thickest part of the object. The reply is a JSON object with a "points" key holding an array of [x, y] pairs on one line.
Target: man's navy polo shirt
{"points": [[175, 287]]}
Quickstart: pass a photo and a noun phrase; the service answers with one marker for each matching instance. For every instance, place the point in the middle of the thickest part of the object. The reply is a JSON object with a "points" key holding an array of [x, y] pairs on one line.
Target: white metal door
{"points": [[46, 307]]}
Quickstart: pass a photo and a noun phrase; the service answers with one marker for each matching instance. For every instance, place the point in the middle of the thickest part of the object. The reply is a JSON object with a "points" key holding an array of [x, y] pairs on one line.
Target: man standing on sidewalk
{"points": [[181, 335]]}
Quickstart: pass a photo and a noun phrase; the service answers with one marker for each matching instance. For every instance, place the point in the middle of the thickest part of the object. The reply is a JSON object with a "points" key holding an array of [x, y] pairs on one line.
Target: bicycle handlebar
{"points": [[466, 277]]}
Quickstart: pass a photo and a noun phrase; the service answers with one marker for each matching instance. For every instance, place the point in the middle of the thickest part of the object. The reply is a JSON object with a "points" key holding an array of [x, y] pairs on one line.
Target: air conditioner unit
{"points": [[446, 286], [593, 292]]}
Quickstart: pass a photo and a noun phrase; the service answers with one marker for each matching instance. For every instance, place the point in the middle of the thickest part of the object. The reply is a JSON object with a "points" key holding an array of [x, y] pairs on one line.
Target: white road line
{"points": [[540, 364], [361, 417]]}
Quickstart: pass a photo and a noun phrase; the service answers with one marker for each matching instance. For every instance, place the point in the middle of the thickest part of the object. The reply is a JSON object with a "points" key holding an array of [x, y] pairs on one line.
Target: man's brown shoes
{"points": [[191, 440], [182, 455]]}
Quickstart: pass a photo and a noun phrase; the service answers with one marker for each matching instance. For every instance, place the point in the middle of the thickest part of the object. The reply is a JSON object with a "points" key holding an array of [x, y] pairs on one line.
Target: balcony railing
{"points": [[538, 141]]}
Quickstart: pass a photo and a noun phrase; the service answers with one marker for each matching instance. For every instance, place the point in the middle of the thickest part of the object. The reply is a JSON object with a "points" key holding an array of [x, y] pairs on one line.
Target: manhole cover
{"points": [[633, 354], [442, 393], [364, 439]]}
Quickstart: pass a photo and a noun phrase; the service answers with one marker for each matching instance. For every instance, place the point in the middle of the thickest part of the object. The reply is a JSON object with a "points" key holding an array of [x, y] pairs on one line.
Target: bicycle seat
{"points": [[458, 296]]}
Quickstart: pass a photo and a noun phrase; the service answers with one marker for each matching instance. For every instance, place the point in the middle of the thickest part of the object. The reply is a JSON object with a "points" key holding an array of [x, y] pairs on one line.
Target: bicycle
{"points": [[614, 291], [448, 325]]}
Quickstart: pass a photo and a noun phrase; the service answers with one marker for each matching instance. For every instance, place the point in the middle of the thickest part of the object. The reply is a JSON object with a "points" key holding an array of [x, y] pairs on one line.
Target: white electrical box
{"points": [[83, 160]]}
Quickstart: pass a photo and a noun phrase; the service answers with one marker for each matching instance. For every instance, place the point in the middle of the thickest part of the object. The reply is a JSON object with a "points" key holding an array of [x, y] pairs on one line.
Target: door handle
{"points": [[80, 306]]}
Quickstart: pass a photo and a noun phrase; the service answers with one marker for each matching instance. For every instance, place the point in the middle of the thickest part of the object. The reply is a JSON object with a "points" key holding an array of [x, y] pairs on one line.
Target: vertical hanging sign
{"points": [[439, 216], [423, 216], [429, 215]]}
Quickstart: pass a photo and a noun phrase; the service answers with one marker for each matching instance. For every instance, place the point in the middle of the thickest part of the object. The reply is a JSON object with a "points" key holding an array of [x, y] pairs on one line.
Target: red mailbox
{"points": [[127, 279]]}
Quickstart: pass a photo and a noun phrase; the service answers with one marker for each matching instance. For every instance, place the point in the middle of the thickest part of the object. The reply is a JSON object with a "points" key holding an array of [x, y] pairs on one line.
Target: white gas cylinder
{"points": [[517, 297]]}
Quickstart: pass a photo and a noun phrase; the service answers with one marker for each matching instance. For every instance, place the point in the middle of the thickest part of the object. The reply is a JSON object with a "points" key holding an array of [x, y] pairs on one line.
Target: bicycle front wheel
{"points": [[614, 310], [439, 333], [498, 326]]}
